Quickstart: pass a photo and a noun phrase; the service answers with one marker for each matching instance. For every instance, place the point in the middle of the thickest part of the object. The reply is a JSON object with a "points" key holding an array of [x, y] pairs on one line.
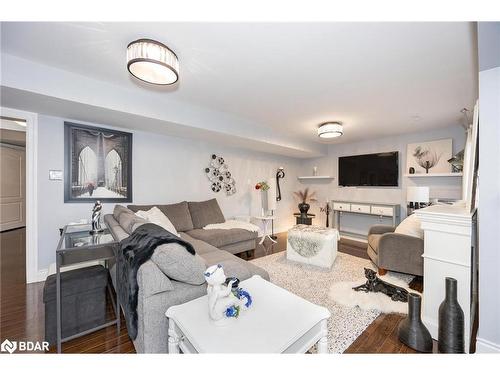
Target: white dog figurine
{"points": [[220, 298]]}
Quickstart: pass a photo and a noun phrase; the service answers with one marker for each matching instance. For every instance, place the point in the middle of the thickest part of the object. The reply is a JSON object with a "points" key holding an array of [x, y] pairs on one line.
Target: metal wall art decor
{"points": [[218, 173], [280, 173], [98, 164]]}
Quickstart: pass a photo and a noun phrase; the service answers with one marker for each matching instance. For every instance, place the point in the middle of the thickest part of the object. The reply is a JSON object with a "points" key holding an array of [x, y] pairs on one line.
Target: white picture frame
{"points": [[435, 154], [470, 161]]}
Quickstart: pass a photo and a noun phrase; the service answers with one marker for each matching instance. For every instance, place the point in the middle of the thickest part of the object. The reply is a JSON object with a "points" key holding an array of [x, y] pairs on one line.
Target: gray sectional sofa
{"points": [[165, 282]]}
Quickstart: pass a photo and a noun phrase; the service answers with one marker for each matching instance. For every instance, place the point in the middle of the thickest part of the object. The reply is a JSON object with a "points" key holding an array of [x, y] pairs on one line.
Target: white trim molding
{"points": [[32, 272], [485, 346]]}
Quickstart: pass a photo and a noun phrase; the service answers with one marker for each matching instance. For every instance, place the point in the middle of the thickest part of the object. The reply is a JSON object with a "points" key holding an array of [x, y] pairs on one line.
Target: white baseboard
{"points": [[485, 346], [41, 275]]}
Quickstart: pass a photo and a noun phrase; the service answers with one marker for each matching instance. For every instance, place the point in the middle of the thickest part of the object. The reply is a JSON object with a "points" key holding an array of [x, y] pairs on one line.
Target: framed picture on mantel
{"points": [[429, 157], [97, 164]]}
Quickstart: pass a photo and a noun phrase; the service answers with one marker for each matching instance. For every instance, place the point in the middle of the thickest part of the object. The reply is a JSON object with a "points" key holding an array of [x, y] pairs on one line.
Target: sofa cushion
{"points": [[222, 237], [201, 247], [155, 216], [178, 264], [410, 226], [118, 210], [152, 280], [373, 241], [178, 214], [234, 266], [130, 221], [206, 212]]}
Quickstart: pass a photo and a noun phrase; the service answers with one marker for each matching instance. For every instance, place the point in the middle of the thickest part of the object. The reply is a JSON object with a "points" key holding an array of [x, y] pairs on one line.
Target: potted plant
{"points": [[305, 197]]}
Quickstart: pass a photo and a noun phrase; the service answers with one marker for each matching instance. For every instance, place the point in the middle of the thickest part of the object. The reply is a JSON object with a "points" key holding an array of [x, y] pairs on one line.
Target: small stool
{"points": [[312, 245], [83, 301]]}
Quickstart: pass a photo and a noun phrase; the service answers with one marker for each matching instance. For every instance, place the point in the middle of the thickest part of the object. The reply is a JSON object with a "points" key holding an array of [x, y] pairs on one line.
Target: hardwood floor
{"points": [[22, 310]]}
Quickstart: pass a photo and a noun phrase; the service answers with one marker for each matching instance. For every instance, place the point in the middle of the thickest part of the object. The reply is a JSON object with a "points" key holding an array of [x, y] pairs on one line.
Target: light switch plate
{"points": [[56, 175]]}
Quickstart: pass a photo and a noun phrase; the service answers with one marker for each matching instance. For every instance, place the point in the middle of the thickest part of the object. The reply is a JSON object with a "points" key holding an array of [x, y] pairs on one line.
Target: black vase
{"points": [[303, 208], [451, 321], [412, 331]]}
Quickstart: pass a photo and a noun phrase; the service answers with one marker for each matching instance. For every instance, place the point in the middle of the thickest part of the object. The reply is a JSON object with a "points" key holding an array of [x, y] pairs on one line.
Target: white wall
{"points": [[489, 187], [165, 170], [440, 187]]}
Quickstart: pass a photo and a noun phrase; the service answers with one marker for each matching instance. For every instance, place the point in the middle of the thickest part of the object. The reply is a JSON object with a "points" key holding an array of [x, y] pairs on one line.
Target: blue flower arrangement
{"points": [[243, 294], [233, 311]]}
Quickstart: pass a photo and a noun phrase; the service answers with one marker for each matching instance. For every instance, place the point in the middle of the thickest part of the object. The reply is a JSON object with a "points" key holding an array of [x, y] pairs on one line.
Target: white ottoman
{"points": [[312, 245]]}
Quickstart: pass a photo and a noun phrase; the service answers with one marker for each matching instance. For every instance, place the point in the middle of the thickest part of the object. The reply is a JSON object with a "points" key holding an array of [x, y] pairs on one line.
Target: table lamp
{"points": [[416, 195]]}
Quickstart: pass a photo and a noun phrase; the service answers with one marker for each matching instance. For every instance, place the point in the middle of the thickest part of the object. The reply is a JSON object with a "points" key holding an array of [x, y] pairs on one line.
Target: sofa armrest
{"points": [[399, 252], [381, 229]]}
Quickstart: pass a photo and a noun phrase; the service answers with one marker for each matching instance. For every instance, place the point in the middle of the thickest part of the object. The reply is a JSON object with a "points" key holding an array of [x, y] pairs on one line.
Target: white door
{"points": [[12, 187]]}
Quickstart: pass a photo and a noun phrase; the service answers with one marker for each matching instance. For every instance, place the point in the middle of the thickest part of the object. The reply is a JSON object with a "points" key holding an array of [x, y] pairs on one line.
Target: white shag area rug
{"points": [[312, 283]]}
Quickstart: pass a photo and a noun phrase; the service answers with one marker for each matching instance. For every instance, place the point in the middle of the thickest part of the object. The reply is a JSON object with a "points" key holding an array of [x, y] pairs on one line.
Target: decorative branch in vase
{"points": [[305, 197]]}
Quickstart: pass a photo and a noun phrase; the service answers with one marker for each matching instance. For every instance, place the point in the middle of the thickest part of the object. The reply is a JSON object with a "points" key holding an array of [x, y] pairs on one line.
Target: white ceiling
{"points": [[377, 78]]}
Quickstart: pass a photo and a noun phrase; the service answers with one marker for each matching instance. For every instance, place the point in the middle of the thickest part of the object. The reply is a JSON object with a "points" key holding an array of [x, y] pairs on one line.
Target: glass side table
{"points": [[78, 245]]}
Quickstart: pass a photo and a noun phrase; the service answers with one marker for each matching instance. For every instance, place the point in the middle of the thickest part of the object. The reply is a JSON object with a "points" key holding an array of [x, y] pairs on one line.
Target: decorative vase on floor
{"points": [[412, 331], [451, 321], [303, 208]]}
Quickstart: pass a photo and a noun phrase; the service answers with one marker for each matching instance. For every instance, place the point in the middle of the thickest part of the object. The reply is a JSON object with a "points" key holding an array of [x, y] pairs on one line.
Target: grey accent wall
{"points": [[165, 170], [440, 187], [489, 187]]}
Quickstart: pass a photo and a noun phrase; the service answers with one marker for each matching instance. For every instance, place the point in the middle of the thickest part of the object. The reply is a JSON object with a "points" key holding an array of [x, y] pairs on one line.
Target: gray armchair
{"points": [[395, 252]]}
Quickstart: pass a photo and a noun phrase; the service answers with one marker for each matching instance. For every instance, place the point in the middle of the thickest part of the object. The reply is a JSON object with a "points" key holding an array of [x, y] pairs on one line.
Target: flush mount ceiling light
{"points": [[152, 62], [330, 130]]}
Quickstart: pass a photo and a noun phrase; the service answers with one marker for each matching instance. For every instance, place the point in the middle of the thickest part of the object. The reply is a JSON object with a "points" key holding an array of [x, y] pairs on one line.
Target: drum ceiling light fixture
{"points": [[331, 129], [152, 62]]}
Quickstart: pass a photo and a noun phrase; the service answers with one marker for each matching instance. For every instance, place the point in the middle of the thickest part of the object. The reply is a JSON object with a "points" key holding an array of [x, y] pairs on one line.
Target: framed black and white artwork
{"points": [[429, 157], [98, 164]]}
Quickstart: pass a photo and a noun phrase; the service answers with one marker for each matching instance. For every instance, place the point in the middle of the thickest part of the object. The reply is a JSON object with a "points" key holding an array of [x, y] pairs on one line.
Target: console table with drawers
{"points": [[381, 210]]}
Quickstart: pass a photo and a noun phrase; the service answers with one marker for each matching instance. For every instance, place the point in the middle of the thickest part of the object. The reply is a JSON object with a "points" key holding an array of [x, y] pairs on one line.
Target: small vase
{"points": [[451, 321], [412, 331], [427, 166], [263, 201], [303, 208]]}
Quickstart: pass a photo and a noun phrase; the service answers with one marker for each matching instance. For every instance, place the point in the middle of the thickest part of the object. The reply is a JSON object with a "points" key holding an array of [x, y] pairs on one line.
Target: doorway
{"points": [[12, 201]]}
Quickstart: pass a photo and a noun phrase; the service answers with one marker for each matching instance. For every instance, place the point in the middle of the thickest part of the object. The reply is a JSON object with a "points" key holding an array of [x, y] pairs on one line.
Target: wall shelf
{"points": [[315, 178], [434, 175]]}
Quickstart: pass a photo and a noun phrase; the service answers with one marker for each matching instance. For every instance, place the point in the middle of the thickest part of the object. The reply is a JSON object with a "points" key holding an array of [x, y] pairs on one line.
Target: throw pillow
{"points": [[410, 226], [155, 216], [118, 210], [178, 264], [204, 213], [130, 221]]}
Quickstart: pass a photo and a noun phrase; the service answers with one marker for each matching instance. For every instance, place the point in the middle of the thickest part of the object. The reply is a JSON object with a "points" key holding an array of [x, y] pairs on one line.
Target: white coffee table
{"points": [[277, 322]]}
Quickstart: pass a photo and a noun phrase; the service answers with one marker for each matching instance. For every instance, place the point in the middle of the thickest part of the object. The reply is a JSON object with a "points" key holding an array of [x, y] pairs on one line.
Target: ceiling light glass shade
{"points": [[152, 62], [330, 130]]}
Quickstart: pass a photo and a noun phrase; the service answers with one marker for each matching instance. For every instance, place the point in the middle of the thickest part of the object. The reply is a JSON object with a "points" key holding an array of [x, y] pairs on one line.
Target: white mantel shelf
{"points": [[434, 175], [317, 178]]}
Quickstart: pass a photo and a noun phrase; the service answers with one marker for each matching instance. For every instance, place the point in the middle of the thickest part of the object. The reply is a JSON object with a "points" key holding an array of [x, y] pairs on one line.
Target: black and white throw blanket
{"points": [[135, 250]]}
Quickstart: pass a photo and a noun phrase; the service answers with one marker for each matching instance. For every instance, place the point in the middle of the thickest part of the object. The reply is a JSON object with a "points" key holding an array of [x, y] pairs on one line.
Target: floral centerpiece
{"points": [[263, 185]]}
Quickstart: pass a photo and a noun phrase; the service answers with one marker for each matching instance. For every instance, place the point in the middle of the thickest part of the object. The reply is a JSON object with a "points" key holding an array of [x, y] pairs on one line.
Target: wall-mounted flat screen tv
{"points": [[369, 170]]}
